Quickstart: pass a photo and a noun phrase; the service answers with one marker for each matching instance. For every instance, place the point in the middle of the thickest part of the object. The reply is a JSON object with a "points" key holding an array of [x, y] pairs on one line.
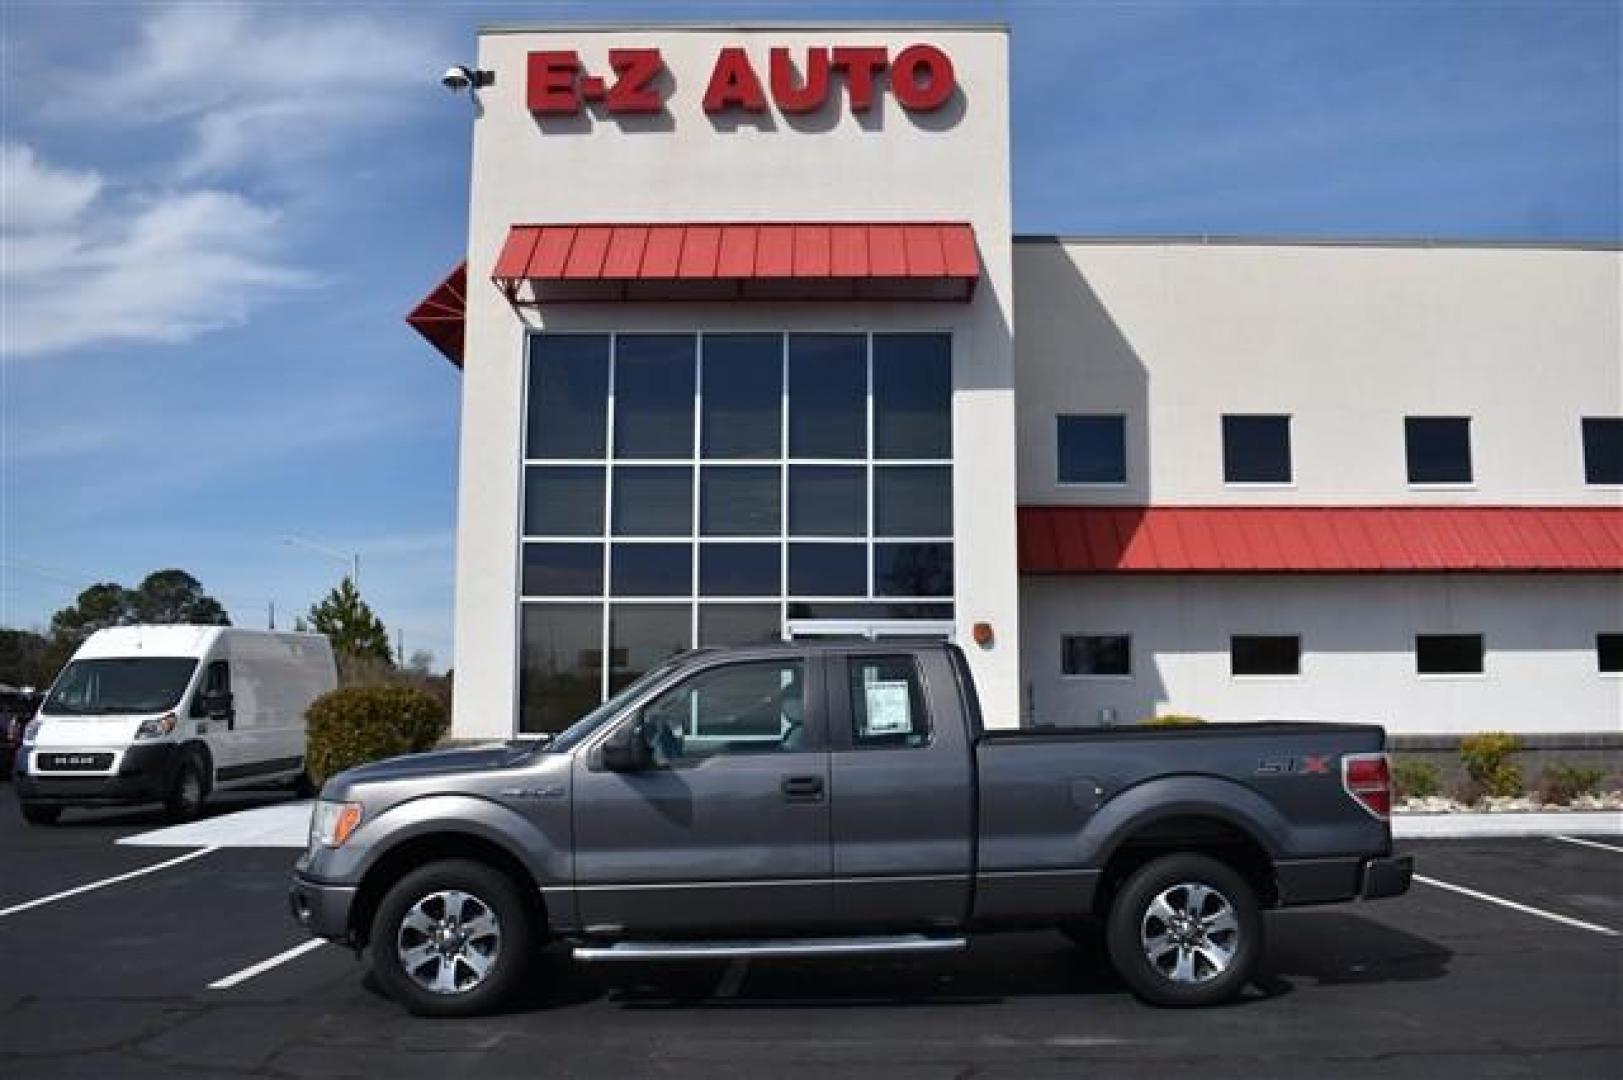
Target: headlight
{"points": [[157, 727], [31, 731], [331, 823]]}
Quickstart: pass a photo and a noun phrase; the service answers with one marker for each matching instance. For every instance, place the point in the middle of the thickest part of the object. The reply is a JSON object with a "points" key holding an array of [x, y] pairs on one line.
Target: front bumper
{"points": [[145, 774], [1390, 876], [321, 908]]}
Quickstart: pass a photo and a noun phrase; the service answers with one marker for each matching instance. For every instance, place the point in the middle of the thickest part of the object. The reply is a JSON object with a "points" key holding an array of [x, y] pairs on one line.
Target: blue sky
{"points": [[214, 218]]}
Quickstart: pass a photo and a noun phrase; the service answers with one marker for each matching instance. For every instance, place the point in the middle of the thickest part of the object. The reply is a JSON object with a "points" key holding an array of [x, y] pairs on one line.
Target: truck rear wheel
{"points": [[1185, 930], [452, 939]]}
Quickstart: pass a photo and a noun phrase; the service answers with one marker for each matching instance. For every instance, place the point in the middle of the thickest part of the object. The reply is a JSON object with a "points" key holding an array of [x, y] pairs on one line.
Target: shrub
{"points": [[357, 724], [1171, 720], [1487, 762], [1415, 778], [1560, 784]]}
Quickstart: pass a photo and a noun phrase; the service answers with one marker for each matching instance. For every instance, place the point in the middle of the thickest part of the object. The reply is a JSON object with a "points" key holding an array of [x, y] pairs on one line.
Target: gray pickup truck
{"points": [[831, 799]]}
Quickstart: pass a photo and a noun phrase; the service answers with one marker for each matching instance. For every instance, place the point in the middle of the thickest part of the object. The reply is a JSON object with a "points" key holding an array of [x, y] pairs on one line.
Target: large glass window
{"points": [[651, 570], [643, 635], [568, 396], [739, 570], [653, 395], [828, 570], [913, 500], [740, 500], [739, 624], [563, 500], [912, 395], [828, 395], [563, 570], [560, 664], [828, 500], [742, 396], [653, 500]]}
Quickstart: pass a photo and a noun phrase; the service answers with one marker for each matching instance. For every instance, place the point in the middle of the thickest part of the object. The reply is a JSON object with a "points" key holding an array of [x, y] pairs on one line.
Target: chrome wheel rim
{"points": [[1189, 933], [448, 942]]}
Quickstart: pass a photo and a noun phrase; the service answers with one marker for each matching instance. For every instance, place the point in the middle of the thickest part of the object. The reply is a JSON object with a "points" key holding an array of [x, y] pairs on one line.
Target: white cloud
{"points": [[39, 196]]}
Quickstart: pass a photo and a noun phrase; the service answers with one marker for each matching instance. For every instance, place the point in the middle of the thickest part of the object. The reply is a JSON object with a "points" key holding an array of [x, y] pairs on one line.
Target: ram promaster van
{"points": [[170, 714]]}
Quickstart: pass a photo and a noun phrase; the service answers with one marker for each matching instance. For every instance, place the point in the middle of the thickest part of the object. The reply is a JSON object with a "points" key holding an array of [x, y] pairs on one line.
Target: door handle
{"points": [[803, 788]]}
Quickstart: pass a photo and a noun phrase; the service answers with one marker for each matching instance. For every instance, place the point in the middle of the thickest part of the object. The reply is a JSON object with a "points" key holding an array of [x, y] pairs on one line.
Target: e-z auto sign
{"points": [[919, 77]]}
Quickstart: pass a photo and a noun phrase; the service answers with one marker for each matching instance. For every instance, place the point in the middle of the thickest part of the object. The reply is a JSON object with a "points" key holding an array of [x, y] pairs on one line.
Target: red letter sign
{"points": [[552, 83], [810, 96], [859, 63], [922, 78], [733, 83], [633, 91]]}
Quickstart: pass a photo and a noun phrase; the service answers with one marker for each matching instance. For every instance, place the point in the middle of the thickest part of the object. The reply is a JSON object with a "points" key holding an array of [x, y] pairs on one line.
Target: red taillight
{"points": [[1368, 779]]}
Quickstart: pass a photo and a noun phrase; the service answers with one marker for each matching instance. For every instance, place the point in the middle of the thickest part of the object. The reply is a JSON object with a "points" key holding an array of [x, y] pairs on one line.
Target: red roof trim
{"points": [[1320, 539], [440, 315]]}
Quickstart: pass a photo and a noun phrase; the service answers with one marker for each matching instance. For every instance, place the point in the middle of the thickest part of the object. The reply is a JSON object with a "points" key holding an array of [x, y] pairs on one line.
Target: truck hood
{"points": [[436, 763], [88, 732]]}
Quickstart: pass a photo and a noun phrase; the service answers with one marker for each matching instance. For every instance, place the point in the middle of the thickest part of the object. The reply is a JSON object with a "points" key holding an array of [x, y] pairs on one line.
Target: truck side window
{"points": [[887, 702], [737, 709], [216, 680]]}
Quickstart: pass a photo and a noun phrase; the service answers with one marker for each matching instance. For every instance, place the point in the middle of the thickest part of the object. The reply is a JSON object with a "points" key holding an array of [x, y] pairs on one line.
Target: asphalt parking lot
{"points": [[116, 981]]}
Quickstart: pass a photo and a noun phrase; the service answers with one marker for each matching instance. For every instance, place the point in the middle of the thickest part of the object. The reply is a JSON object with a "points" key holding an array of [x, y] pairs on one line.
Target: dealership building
{"points": [[750, 350]]}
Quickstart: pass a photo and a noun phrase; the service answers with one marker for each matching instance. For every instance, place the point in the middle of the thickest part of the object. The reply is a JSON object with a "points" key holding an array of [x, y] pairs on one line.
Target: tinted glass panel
{"points": [[1092, 449], [1256, 449], [563, 570], [641, 635], [1265, 655], [738, 569], [913, 500], [569, 394], [653, 395], [1097, 654], [1609, 652], [740, 500], [912, 395], [828, 500], [828, 395], [652, 569], [828, 570], [563, 500], [134, 684], [560, 664], [653, 500], [857, 610], [740, 708], [743, 395], [1448, 654], [887, 702], [912, 569], [1603, 450], [1439, 449], [738, 624]]}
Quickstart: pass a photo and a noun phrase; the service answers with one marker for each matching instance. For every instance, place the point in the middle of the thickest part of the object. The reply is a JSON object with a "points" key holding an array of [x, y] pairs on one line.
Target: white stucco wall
{"points": [[1357, 640], [951, 165]]}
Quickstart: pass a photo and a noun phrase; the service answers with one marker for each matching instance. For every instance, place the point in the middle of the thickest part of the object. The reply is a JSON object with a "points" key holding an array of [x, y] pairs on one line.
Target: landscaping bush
{"points": [[357, 724], [1487, 758], [1416, 779], [1560, 784], [1171, 720]]}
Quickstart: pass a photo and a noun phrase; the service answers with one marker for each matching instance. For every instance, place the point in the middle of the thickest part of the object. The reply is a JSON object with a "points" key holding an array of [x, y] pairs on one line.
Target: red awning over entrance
{"points": [[1320, 539], [440, 315], [739, 261]]}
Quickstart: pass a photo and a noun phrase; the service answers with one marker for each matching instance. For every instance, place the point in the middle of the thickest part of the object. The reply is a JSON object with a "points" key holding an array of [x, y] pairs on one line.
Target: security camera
{"points": [[457, 79]]}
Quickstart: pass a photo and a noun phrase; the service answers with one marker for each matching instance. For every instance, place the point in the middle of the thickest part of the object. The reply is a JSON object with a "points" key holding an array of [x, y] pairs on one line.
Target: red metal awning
{"points": [[739, 261], [1320, 539], [440, 315]]}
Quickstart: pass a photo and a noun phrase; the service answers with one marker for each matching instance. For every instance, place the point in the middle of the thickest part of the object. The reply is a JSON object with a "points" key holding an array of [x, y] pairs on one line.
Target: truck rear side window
{"points": [[887, 702]]}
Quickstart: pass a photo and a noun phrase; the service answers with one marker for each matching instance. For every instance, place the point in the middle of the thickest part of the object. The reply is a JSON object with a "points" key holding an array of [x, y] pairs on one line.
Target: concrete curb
{"points": [[1509, 823]]}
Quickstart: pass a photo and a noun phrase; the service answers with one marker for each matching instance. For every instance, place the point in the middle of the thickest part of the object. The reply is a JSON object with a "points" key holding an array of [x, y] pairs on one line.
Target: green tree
{"points": [[350, 624], [174, 596], [96, 608], [29, 659]]}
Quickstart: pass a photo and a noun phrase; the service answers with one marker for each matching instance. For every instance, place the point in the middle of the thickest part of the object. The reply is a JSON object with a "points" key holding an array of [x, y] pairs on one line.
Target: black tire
{"points": [[36, 814], [469, 992], [187, 791], [1186, 970]]}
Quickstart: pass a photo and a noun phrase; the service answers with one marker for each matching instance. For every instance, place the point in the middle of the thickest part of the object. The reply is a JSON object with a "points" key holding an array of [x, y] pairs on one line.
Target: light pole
{"points": [[354, 559]]}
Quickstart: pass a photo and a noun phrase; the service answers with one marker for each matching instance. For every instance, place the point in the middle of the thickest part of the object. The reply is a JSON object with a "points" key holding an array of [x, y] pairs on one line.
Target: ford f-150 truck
{"points": [[834, 798]]}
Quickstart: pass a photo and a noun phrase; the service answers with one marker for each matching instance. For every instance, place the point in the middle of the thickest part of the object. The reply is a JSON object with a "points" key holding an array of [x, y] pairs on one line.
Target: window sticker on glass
{"points": [[890, 712]]}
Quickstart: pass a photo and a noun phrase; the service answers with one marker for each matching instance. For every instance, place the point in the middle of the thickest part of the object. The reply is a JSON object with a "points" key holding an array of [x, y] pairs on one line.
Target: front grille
{"points": [[79, 762]]}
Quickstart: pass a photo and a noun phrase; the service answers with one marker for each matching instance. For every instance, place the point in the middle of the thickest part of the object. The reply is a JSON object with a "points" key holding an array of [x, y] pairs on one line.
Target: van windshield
{"points": [[145, 684]]}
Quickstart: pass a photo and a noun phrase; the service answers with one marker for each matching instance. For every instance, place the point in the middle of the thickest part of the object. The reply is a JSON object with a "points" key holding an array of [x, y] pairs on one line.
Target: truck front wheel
{"points": [[1185, 930], [452, 938]]}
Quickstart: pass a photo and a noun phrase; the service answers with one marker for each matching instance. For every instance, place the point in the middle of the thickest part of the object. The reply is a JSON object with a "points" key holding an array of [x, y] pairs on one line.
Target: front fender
{"points": [[1182, 796]]}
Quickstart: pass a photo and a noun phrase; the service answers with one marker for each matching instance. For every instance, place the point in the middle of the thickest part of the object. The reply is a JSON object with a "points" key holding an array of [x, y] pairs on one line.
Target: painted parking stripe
{"points": [[1588, 843], [104, 882], [265, 965], [1564, 920]]}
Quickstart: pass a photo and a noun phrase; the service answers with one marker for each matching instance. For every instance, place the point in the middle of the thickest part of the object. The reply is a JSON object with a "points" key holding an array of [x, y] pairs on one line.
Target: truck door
{"points": [[214, 714], [731, 827], [904, 790]]}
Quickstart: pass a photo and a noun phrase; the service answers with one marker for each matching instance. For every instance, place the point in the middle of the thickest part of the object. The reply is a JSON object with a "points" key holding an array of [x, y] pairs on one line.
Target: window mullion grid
{"points": [[608, 516], [783, 491], [698, 475], [871, 451]]}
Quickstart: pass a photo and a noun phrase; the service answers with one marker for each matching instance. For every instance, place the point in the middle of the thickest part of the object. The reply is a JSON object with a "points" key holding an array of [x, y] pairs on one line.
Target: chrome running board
{"points": [[720, 950]]}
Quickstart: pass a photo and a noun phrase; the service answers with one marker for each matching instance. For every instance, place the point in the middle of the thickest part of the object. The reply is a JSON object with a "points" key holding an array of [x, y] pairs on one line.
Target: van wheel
{"points": [[452, 939], [1185, 930], [35, 814], [186, 792]]}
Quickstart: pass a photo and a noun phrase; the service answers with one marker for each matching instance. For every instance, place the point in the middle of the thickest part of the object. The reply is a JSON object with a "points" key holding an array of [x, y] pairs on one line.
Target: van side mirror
{"points": [[627, 750], [217, 704]]}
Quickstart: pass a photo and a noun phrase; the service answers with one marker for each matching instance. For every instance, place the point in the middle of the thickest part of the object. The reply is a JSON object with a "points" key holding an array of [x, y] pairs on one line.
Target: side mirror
{"points": [[218, 704], [627, 750]]}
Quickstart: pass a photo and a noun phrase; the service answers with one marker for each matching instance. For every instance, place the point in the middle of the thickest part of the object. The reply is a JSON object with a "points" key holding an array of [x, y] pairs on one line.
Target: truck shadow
{"points": [[1320, 947]]}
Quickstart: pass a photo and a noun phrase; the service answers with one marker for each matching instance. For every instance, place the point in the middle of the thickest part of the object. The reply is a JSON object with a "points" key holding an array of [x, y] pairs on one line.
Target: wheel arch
{"points": [[420, 849]]}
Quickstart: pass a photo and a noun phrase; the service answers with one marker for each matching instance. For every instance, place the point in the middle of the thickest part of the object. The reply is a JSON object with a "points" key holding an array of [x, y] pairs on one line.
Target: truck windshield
{"points": [[145, 684], [572, 735]]}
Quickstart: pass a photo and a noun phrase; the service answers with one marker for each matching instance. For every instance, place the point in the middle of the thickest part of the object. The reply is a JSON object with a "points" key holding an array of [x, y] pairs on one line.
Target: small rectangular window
{"points": [[563, 500], [568, 396], [1265, 654], [912, 569], [1097, 655], [828, 570], [740, 500], [912, 500], [828, 500], [739, 570], [742, 396], [1438, 449], [828, 395], [1092, 449], [653, 500], [1603, 450], [651, 569], [1448, 654], [887, 702], [739, 624], [653, 395], [1256, 449], [1609, 653], [912, 395], [563, 570]]}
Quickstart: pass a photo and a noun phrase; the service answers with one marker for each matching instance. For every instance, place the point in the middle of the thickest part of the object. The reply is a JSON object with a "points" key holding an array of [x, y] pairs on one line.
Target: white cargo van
{"points": [[169, 714]]}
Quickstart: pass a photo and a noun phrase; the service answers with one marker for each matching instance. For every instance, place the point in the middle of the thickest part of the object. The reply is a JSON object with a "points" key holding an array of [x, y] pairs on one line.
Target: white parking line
{"points": [[1588, 843], [265, 965], [1514, 906], [104, 882]]}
